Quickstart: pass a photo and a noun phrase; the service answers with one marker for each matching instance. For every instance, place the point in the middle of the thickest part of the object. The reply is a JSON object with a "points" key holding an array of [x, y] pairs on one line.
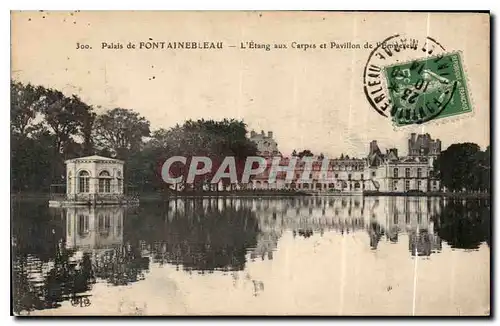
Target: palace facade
{"points": [[381, 172], [266, 145]]}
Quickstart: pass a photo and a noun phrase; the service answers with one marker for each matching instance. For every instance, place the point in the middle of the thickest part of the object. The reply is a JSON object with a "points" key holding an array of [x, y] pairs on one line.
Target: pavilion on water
{"points": [[93, 180]]}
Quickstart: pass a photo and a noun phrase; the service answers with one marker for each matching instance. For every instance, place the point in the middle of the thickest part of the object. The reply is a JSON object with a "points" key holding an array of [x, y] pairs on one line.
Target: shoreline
{"points": [[429, 194], [150, 196]]}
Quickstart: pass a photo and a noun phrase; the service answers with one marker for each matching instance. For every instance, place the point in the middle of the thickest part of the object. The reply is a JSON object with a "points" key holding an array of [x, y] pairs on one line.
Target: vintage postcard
{"points": [[250, 163]]}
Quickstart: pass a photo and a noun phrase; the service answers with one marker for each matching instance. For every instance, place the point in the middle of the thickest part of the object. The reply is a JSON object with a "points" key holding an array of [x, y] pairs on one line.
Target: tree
{"points": [[121, 131], [294, 153], [214, 139], [31, 158], [24, 103], [482, 170], [456, 167], [88, 126], [64, 116]]}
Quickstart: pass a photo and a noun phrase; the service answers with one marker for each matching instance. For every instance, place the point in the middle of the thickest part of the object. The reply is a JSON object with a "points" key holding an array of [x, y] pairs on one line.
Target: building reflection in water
{"points": [[202, 234], [90, 249], [94, 229], [386, 217], [98, 231]]}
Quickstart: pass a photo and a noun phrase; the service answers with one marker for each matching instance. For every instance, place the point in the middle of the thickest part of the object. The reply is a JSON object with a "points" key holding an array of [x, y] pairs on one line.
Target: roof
{"points": [[94, 158]]}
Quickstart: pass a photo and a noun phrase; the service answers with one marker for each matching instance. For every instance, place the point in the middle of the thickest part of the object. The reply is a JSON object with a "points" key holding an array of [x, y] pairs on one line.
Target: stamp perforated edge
{"points": [[445, 120]]}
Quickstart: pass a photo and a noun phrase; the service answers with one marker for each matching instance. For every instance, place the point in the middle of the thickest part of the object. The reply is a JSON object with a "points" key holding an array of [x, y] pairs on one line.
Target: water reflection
{"points": [[465, 224], [41, 285], [98, 231], [199, 235], [79, 245], [60, 254]]}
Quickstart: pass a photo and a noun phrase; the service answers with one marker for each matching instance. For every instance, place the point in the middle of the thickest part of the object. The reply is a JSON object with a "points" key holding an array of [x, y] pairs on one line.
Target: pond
{"points": [[345, 255]]}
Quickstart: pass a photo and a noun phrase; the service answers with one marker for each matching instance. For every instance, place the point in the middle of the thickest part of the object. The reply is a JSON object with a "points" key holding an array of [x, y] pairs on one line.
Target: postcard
{"points": [[256, 163]]}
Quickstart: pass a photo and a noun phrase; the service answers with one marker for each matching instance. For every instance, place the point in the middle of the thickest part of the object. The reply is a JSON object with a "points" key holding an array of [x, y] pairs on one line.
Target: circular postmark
{"points": [[409, 80]]}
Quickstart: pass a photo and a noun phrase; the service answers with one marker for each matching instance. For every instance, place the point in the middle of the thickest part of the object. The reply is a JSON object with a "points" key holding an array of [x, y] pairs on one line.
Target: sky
{"points": [[309, 98]]}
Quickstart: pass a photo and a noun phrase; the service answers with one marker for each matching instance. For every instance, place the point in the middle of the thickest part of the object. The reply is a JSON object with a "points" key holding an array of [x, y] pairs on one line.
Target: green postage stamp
{"points": [[427, 89]]}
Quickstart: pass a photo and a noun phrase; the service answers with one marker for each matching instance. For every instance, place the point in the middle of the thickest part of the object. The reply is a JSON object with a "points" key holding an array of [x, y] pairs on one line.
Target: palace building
{"points": [[380, 172], [266, 145], [391, 173], [423, 145]]}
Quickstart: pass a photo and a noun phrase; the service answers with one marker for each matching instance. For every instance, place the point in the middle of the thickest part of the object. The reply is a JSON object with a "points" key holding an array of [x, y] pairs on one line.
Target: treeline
{"points": [[48, 128]]}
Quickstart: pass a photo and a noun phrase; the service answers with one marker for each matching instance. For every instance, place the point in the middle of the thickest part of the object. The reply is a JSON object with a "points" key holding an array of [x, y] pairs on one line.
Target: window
{"points": [[336, 175], [374, 174], [83, 225], [349, 176], [407, 172], [120, 185], [395, 185], [83, 181], [419, 184], [104, 182], [434, 182], [104, 223], [419, 172], [362, 176], [407, 185], [356, 185], [395, 172], [119, 224]]}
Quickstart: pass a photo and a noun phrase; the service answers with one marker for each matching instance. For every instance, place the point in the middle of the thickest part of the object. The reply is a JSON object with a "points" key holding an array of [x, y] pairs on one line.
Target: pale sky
{"points": [[310, 99]]}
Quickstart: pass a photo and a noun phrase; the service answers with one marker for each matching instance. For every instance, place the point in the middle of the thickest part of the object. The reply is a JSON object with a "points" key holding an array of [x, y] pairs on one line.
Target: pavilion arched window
{"points": [[104, 181], [83, 181]]}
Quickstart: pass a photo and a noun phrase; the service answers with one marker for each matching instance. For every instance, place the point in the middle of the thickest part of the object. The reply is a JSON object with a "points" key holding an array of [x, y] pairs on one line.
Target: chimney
{"points": [[413, 137], [262, 132], [270, 134], [252, 133], [373, 146]]}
